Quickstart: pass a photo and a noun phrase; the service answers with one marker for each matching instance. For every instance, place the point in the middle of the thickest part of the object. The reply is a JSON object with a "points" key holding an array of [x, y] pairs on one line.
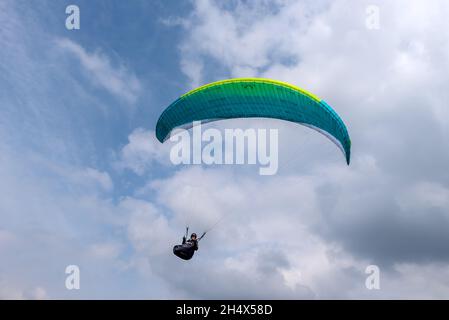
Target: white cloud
{"points": [[318, 46], [102, 178], [266, 237], [38, 293], [11, 290], [423, 196], [88, 178], [143, 151], [117, 80], [105, 250], [174, 21], [147, 228]]}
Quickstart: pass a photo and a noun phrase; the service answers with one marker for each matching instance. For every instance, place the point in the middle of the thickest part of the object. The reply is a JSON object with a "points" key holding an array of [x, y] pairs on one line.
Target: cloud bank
{"points": [[308, 232]]}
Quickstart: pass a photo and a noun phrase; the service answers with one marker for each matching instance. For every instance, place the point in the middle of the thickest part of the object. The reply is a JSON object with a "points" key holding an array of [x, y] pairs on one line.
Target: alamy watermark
{"points": [[372, 282], [237, 146], [372, 21], [72, 282], [72, 22]]}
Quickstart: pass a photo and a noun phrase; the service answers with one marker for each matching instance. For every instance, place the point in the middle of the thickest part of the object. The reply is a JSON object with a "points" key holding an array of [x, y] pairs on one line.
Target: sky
{"points": [[85, 182]]}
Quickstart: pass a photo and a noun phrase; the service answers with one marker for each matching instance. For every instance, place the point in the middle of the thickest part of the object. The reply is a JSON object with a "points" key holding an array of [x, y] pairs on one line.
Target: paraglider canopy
{"points": [[251, 98]]}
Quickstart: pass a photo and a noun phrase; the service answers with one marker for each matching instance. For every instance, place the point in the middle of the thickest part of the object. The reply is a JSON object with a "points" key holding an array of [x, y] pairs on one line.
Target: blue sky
{"points": [[85, 182]]}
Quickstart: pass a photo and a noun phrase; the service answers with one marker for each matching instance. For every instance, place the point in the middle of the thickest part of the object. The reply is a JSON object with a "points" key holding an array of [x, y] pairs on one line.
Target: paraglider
{"points": [[188, 247], [250, 98]]}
